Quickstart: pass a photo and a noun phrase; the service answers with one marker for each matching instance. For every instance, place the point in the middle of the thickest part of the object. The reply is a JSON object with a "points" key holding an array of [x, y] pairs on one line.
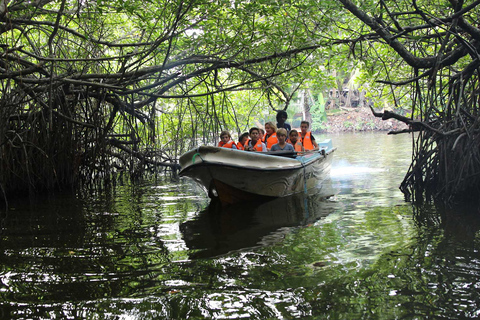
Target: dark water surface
{"points": [[160, 251]]}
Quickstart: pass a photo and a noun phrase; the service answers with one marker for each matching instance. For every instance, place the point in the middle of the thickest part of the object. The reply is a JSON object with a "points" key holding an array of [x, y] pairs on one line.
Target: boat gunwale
{"points": [[243, 167]]}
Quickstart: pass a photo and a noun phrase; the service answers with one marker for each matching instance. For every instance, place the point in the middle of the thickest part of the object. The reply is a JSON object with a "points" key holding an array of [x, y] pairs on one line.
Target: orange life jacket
{"points": [[307, 141], [258, 146], [240, 146], [270, 141], [245, 145], [229, 144], [297, 146]]}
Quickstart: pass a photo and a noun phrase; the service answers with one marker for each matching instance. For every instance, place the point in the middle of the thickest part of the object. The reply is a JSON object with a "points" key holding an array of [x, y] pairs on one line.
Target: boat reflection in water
{"points": [[218, 229]]}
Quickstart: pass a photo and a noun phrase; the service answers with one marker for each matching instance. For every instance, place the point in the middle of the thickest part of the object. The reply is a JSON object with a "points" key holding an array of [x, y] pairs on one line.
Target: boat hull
{"points": [[233, 175]]}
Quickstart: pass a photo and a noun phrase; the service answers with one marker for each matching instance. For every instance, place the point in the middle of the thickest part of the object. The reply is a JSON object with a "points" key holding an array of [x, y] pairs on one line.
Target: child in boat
{"points": [[262, 134], [255, 143], [242, 140], [294, 141], [282, 145], [306, 137], [226, 140], [270, 135]]}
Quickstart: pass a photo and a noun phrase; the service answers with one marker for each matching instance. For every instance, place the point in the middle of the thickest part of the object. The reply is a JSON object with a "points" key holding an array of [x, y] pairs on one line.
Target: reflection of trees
{"points": [[354, 263], [380, 266], [84, 251], [436, 275]]}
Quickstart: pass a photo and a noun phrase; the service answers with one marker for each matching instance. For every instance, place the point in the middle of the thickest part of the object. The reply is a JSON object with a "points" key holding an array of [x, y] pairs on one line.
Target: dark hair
{"points": [[282, 113], [252, 129], [243, 135], [305, 122]]}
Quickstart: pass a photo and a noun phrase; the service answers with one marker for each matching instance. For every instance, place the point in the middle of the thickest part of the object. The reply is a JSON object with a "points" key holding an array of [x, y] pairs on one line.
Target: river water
{"points": [[160, 251]]}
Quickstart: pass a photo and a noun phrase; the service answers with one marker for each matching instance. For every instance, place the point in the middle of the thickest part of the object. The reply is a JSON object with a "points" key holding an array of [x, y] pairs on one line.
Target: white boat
{"points": [[231, 175]]}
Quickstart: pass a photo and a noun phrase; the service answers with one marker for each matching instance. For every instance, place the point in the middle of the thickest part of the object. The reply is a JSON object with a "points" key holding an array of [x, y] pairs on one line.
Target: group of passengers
{"points": [[278, 137]]}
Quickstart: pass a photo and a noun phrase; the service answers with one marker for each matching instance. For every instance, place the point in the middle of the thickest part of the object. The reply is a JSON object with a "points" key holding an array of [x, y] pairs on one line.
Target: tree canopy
{"points": [[437, 46], [94, 88], [91, 89]]}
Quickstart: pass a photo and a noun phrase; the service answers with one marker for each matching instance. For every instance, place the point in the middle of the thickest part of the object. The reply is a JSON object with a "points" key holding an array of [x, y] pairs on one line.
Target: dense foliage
{"points": [[94, 88], [434, 62], [91, 89]]}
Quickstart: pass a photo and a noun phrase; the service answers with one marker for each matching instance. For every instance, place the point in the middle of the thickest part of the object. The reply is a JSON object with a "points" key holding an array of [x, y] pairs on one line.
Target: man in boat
{"points": [[282, 116], [255, 143], [226, 140], [306, 137]]}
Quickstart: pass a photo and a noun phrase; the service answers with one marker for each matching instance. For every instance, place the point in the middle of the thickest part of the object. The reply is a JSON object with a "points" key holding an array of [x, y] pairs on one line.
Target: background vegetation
{"points": [[91, 90]]}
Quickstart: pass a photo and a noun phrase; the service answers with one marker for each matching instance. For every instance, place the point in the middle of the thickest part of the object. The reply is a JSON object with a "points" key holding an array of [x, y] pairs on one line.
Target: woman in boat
{"points": [[242, 140], [255, 143], [294, 141], [282, 116], [270, 135], [306, 137], [226, 140], [282, 145]]}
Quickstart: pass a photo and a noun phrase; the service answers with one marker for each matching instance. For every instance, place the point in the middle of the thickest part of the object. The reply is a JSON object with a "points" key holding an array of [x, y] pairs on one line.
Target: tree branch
{"points": [[416, 62]]}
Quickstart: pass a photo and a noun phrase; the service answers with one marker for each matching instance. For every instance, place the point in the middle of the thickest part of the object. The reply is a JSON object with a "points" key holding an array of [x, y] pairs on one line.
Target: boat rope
{"points": [[195, 155]]}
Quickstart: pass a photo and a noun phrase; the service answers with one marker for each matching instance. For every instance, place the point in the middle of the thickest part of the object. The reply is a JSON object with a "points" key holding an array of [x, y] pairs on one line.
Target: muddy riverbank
{"points": [[359, 119]]}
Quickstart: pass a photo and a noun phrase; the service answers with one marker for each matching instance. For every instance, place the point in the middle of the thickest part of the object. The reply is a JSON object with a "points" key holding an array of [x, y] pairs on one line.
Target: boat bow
{"points": [[235, 175]]}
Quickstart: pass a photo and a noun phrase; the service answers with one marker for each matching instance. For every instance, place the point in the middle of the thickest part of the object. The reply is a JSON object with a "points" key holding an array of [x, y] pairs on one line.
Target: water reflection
{"points": [[218, 230], [437, 276], [461, 222], [160, 250]]}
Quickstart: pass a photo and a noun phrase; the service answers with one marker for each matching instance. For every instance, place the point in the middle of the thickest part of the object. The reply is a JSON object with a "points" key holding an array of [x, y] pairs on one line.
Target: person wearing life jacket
{"points": [[282, 144], [226, 140], [262, 134], [306, 137], [242, 140], [255, 143], [270, 135], [294, 141]]}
